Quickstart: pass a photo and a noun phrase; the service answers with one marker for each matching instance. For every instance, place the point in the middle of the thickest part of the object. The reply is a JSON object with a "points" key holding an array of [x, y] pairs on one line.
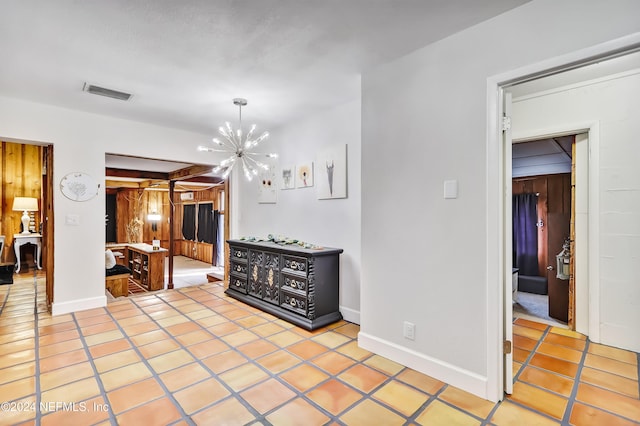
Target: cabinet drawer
{"points": [[238, 284], [298, 264], [294, 283], [239, 268], [294, 303], [239, 253]]}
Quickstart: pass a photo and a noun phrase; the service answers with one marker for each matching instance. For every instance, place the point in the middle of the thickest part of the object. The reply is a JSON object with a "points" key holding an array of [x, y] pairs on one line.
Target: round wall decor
{"points": [[79, 186]]}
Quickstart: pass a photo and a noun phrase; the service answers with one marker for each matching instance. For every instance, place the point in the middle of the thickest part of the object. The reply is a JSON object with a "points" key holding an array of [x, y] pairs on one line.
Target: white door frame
{"points": [[495, 178], [586, 265]]}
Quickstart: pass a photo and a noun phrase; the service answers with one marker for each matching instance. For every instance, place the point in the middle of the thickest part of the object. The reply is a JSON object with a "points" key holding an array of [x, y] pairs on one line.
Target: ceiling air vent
{"points": [[97, 90]]}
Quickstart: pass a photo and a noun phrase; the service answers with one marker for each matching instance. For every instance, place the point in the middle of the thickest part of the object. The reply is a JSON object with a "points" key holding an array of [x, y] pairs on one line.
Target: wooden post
{"points": [[172, 185]]}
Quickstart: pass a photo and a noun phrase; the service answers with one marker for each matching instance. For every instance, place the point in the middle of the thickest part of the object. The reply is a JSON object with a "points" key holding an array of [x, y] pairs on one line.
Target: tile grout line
{"points": [[573, 394], [145, 361], [525, 364], [96, 374], [607, 410], [515, 379], [364, 395], [545, 333], [411, 419], [232, 392], [308, 362], [298, 393], [576, 385], [36, 336]]}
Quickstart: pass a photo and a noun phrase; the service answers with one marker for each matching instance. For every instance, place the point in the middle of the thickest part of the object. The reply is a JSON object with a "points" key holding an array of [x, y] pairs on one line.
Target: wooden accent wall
{"points": [[195, 250], [138, 203], [21, 174], [554, 202], [132, 203]]}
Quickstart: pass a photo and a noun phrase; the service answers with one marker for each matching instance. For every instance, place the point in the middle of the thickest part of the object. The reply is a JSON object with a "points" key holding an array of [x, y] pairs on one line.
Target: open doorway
{"points": [[26, 226], [541, 221], [596, 103], [165, 221]]}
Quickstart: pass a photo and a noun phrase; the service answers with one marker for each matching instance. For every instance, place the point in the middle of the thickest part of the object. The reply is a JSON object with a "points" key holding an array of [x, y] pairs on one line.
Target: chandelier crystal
{"points": [[240, 146]]}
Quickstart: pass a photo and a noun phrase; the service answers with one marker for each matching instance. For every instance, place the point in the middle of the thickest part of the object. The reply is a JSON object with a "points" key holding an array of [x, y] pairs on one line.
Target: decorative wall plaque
{"points": [[79, 186]]}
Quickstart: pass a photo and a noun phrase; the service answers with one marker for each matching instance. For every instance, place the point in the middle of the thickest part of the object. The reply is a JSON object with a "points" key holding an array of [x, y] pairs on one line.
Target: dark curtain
{"points": [[216, 236], [205, 223], [525, 234], [110, 218], [189, 222]]}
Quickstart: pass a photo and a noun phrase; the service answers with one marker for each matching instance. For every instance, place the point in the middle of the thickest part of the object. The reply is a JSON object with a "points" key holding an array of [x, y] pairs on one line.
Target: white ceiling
{"points": [[184, 61], [547, 156]]}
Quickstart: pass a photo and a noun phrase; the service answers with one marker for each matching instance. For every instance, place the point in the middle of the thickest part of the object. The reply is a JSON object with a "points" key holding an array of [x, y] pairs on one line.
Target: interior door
{"points": [[47, 223], [508, 249], [558, 229]]}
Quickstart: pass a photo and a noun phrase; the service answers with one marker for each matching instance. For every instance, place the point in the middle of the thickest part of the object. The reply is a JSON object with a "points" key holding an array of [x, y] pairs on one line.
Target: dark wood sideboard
{"points": [[293, 283]]}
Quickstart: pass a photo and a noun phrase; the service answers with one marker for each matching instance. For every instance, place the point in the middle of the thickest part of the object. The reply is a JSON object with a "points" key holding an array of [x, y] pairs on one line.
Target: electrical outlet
{"points": [[409, 331]]}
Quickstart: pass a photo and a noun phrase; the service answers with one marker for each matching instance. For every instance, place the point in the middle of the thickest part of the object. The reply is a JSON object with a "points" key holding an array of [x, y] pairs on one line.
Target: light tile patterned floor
{"points": [[195, 356]]}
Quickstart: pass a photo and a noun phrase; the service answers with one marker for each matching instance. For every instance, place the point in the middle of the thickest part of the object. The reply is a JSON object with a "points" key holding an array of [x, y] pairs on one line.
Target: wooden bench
{"points": [[118, 285], [117, 280]]}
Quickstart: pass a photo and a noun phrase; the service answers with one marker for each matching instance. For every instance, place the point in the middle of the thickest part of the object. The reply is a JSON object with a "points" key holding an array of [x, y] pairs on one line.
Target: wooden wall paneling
{"points": [[21, 176], [155, 201], [192, 249], [12, 182], [122, 214]]}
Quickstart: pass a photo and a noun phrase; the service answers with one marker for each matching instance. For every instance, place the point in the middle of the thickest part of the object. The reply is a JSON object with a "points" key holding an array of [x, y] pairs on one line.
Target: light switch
{"points": [[450, 189], [72, 220]]}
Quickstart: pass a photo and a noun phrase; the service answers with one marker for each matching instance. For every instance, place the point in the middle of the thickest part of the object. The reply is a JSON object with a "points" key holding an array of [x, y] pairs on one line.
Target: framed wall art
{"points": [[304, 175], [267, 193], [288, 177], [331, 173]]}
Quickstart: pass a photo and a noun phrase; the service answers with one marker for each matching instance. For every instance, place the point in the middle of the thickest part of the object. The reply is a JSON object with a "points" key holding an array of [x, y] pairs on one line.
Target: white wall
{"points": [[424, 121], [80, 141], [298, 213], [608, 102]]}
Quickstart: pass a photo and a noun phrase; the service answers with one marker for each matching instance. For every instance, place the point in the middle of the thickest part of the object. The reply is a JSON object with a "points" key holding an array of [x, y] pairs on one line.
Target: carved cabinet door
{"points": [[256, 272], [271, 284]]}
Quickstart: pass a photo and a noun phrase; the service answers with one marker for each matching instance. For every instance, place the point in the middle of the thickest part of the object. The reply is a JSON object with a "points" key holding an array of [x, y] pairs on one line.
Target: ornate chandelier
{"points": [[240, 147]]}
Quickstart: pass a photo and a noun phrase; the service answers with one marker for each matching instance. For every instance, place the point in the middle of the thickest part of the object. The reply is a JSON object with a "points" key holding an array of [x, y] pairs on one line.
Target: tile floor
{"points": [[195, 356]]}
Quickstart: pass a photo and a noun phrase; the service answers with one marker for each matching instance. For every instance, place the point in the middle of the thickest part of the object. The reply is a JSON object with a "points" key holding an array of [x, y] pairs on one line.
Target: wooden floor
{"points": [[195, 356]]}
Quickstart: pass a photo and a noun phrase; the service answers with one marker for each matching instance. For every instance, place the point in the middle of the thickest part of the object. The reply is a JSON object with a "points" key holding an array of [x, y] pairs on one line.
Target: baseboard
{"points": [[78, 305], [350, 315], [438, 369]]}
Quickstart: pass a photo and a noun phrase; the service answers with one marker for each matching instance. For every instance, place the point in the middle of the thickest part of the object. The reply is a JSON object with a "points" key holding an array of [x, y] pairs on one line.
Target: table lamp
{"points": [[25, 204]]}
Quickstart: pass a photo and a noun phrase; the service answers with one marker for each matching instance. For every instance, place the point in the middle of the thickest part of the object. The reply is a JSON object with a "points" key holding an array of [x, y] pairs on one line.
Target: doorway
{"points": [[26, 223], [541, 222], [178, 206], [499, 180]]}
